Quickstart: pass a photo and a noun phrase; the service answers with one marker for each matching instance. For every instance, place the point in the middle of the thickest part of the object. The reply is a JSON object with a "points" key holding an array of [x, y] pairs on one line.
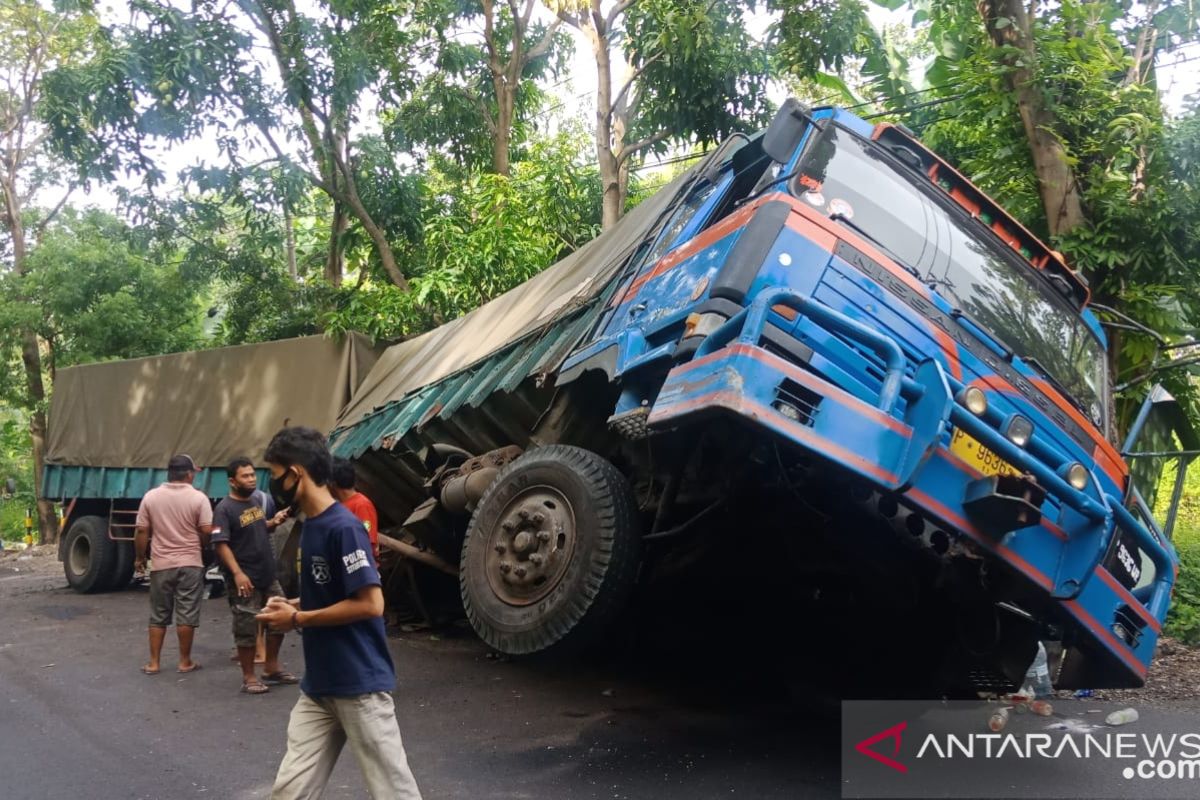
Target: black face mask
{"points": [[242, 492], [284, 498]]}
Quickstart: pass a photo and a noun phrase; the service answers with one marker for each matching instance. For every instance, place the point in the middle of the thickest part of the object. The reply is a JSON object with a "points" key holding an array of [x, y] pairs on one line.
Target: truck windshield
{"points": [[846, 178]]}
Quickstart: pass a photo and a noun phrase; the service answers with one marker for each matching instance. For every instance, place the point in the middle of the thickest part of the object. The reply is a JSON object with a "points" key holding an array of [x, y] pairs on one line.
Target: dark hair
{"points": [[301, 447], [237, 464], [176, 475], [343, 473]]}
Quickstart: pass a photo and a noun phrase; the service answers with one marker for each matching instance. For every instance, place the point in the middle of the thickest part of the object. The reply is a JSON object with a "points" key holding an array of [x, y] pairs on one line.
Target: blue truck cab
{"points": [[847, 297]]}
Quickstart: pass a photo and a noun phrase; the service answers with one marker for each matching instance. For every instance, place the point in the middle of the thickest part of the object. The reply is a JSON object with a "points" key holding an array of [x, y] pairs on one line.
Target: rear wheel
{"points": [[91, 557], [552, 552]]}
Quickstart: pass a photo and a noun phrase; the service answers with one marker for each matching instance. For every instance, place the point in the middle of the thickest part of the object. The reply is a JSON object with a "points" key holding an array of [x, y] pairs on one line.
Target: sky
{"points": [[1178, 74]]}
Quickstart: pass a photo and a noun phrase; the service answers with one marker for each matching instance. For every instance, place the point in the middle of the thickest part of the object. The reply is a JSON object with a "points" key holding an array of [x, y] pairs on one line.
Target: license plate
{"points": [[972, 451]]}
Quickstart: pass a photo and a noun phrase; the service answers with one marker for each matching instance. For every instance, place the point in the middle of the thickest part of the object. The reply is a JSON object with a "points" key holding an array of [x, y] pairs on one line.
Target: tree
{"points": [[176, 75], [480, 97], [32, 42], [666, 70], [483, 236]]}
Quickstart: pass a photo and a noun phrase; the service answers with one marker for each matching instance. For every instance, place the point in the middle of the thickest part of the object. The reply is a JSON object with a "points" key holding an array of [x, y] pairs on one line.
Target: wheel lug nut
{"points": [[508, 525], [544, 536], [523, 513], [520, 572], [500, 549], [536, 559], [539, 518], [505, 567]]}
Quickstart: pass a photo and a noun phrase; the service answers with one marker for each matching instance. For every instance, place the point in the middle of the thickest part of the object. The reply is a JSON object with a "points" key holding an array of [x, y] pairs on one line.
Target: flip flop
{"points": [[147, 671], [283, 676], [255, 688], [195, 666]]}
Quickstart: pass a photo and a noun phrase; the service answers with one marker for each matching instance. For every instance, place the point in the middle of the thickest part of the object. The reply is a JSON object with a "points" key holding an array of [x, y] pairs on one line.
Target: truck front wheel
{"points": [[552, 552], [90, 560]]}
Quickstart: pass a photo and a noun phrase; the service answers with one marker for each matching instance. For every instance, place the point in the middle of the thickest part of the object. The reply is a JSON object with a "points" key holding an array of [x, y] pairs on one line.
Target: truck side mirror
{"points": [[786, 130]]}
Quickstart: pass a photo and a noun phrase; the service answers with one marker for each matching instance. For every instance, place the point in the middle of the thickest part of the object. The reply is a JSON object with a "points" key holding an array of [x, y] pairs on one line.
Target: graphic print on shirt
{"points": [[354, 561], [320, 570], [250, 516]]}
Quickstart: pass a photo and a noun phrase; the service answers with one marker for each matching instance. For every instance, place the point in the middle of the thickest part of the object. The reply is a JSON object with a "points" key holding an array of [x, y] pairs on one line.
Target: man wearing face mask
{"points": [[241, 537], [349, 675]]}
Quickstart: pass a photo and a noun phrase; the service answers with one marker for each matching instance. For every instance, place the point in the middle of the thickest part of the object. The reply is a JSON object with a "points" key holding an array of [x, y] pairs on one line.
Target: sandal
{"points": [[147, 671], [280, 677], [257, 687], [195, 666]]}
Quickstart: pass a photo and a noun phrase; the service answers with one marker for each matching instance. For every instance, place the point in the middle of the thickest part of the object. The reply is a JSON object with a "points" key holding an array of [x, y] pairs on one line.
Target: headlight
{"points": [[1019, 430], [1077, 476], [974, 399]]}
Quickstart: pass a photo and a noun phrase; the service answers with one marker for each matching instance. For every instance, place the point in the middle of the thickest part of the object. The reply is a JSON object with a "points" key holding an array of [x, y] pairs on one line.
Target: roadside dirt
{"points": [[36, 569], [1173, 682]]}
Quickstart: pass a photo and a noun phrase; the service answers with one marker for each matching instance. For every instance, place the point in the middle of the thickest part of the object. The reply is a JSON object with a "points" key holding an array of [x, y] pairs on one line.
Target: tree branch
{"points": [[40, 228], [617, 10], [637, 73], [539, 49], [641, 144]]}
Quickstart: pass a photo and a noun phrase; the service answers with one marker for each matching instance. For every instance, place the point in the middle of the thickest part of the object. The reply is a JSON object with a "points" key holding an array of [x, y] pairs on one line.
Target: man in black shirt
{"points": [[241, 536]]}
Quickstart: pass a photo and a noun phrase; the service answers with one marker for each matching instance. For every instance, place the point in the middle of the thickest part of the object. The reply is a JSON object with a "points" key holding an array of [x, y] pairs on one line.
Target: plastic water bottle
{"points": [[1038, 676], [1084, 694], [998, 720], [1122, 717], [1042, 708]]}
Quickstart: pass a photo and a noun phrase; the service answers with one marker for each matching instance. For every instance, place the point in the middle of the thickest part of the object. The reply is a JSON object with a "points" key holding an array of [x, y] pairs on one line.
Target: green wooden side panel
{"points": [[64, 482]]}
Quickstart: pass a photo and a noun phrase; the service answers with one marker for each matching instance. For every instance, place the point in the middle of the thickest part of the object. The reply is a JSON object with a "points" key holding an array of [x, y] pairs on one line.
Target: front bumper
{"points": [[897, 443]]}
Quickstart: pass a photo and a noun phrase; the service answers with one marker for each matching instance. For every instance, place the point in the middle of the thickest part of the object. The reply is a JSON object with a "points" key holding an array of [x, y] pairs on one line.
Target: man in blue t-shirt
{"points": [[348, 676]]}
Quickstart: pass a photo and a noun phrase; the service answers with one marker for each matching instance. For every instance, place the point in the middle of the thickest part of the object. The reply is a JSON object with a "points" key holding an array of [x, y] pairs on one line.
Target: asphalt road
{"points": [[78, 720]]}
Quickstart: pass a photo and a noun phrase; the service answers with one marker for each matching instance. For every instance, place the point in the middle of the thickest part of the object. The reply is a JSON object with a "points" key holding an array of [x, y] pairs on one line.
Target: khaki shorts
{"points": [[245, 626], [177, 590]]}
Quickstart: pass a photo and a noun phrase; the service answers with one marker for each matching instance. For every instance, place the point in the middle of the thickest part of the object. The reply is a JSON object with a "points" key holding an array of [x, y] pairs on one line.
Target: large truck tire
{"points": [[91, 557], [552, 552], [286, 541], [123, 568]]}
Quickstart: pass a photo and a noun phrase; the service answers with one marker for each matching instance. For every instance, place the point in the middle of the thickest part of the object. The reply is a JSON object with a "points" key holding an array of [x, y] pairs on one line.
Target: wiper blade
{"points": [[838, 216], [1056, 383]]}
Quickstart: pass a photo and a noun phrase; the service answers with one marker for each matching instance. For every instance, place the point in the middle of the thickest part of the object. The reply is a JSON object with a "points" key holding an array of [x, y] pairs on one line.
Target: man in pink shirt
{"points": [[176, 519]]}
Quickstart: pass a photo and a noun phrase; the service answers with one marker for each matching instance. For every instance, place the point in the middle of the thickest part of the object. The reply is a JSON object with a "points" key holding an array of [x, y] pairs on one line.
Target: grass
{"points": [[12, 519], [1183, 620]]}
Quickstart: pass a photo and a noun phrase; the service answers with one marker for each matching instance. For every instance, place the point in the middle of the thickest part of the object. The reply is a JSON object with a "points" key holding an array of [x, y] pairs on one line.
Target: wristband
{"points": [[296, 622]]}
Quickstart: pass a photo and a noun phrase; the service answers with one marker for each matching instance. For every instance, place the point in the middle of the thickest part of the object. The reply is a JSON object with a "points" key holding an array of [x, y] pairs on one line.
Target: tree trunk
{"points": [[335, 263], [612, 204], [505, 104], [1056, 179], [31, 359], [289, 239]]}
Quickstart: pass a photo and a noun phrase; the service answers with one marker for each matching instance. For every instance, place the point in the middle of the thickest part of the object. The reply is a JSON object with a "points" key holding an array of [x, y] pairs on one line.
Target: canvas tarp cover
{"points": [[460, 343], [213, 405]]}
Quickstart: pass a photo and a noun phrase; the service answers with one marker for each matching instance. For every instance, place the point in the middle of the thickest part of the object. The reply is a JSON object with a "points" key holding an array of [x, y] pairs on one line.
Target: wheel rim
{"points": [[81, 555], [530, 546]]}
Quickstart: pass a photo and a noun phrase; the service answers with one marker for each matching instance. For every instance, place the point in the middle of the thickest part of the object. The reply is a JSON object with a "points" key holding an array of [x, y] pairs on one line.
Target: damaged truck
{"points": [[822, 358]]}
